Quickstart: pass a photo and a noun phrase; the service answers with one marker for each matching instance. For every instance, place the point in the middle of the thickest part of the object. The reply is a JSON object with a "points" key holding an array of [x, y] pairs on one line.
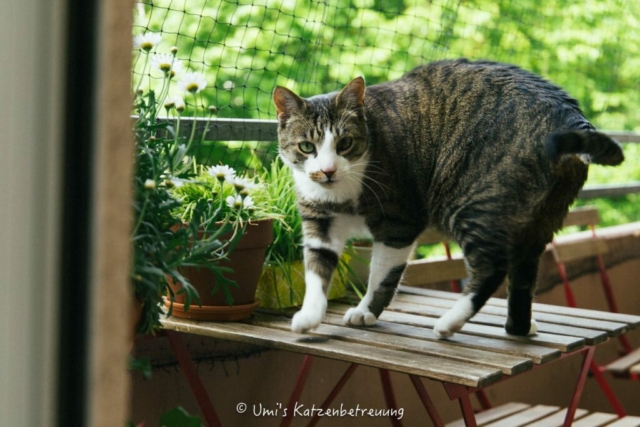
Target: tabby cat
{"points": [[487, 153]]}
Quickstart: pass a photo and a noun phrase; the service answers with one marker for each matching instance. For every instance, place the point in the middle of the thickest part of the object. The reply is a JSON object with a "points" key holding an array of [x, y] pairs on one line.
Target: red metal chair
{"points": [[594, 247]]}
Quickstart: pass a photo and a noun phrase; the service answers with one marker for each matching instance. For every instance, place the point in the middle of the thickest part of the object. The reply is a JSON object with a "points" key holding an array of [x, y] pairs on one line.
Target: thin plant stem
{"points": [[144, 69]]}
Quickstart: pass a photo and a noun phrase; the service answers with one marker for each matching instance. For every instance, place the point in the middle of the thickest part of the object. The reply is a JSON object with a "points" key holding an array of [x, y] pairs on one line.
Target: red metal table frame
{"points": [[454, 391]]}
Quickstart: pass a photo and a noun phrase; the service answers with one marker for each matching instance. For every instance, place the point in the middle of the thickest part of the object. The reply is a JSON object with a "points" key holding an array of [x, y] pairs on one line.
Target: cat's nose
{"points": [[329, 172]]}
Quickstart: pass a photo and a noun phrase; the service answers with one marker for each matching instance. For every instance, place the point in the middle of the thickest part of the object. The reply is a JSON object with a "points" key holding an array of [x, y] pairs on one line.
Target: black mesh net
{"points": [[247, 47]]}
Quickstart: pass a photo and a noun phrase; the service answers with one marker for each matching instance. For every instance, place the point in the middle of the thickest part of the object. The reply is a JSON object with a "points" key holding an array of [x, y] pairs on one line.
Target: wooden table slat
{"points": [[628, 421], [562, 343], [595, 420], [594, 331], [525, 417], [489, 325], [493, 414], [624, 364], [632, 320], [538, 354], [557, 419], [436, 368], [508, 364]]}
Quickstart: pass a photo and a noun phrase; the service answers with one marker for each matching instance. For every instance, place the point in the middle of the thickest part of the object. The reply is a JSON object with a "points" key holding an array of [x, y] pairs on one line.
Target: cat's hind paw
{"points": [[444, 328], [359, 317], [454, 319], [521, 330], [305, 320]]}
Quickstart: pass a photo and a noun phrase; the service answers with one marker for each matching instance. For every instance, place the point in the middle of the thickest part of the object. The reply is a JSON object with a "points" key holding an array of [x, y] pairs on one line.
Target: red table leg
{"points": [[387, 388], [303, 374], [426, 401], [577, 392], [467, 411], [343, 380], [189, 369]]}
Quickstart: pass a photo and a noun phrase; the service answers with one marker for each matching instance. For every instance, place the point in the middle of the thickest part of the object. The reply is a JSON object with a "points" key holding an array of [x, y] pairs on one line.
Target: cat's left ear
{"points": [[352, 96]]}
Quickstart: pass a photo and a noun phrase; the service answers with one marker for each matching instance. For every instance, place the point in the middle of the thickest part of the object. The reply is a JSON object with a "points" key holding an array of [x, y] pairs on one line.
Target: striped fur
{"points": [[489, 154]]}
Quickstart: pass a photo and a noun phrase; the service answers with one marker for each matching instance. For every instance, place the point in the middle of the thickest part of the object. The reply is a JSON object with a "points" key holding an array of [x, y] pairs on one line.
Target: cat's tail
{"points": [[602, 149]]}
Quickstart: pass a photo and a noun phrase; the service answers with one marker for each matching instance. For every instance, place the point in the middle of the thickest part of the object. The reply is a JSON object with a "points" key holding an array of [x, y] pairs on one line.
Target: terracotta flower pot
{"points": [[246, 260]]}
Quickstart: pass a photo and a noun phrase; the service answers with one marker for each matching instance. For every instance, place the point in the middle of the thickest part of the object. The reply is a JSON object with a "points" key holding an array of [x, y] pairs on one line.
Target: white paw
{"points": [[534, 327], [306, 319], [445, 327], [454, 319], [359, 317]]}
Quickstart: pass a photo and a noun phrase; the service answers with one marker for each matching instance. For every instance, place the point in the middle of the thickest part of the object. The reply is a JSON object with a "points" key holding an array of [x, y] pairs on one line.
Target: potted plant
{"points": [[162, 243], [247, 205]]}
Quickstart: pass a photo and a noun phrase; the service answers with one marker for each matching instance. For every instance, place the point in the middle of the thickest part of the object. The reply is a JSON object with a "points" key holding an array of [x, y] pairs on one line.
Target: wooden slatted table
{"points": [[402, 340]]}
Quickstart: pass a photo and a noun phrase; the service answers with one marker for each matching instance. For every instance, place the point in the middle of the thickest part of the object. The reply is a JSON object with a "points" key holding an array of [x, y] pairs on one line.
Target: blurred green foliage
{"points": [[247, 47], [616, 210]]}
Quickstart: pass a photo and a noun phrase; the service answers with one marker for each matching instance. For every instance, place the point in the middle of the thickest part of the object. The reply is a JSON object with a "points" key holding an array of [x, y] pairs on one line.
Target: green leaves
{"points": [[178, 417]]}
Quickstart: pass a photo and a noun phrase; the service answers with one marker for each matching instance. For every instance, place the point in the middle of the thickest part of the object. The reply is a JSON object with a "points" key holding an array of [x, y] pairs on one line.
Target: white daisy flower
{"points": [[167, 63], [247, 202], [147, 41], [222, 173], [243, 185], [238, 202], [174, 182], [174, 102], [192, 82], [149, 184]]}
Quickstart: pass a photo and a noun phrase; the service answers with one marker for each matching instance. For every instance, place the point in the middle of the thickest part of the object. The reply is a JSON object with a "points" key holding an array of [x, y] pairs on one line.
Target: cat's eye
{"points": [[344, 144], [306, 147]]}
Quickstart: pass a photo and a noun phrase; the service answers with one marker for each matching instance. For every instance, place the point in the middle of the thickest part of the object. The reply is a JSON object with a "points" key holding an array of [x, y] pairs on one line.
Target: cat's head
{"points": [[323, 140]]}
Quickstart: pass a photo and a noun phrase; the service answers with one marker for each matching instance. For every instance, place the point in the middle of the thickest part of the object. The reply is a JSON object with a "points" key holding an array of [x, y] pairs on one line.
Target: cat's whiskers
{"points": [[362, 176], [351, 176]]}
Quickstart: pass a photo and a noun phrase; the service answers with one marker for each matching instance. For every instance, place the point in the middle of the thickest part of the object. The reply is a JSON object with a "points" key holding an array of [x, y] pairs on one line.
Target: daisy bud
{"points": [[149, 184], [212, 109], [174, 50]]}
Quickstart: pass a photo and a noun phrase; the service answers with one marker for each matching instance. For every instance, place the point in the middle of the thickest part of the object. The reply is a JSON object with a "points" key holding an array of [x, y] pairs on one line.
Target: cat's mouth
{"points": [[329, 183]]}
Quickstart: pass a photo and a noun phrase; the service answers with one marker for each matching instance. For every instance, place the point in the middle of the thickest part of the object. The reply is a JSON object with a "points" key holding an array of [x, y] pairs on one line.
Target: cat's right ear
{"points": [[287, 103], [352, 95]]}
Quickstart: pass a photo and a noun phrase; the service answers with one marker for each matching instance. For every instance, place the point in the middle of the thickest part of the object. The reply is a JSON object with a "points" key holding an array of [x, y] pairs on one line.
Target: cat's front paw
{"points": [[359, 317], [306, 319]]}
